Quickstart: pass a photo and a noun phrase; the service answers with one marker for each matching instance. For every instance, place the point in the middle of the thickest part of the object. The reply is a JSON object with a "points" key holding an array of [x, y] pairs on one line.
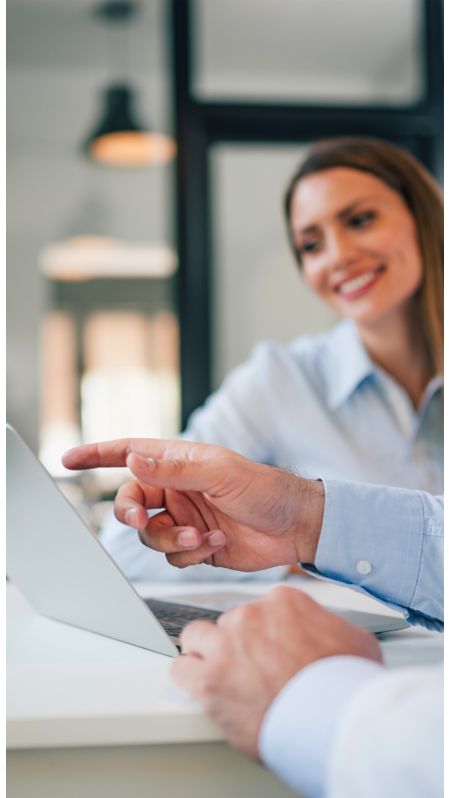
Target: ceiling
{"points": [[310, 48], [272, 43]]}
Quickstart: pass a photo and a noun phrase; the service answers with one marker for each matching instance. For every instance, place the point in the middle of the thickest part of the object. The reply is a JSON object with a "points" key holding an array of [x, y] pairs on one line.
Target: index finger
{"points": [[195, 467], [178, 464], [106, 454]]}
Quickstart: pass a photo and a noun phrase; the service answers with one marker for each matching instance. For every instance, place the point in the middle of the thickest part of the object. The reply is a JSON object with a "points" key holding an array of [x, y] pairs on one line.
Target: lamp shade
{"points": [[95, 257], [120, 140]]}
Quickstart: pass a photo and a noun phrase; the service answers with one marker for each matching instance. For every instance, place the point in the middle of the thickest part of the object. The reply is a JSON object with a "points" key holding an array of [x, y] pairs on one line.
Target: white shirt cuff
{"points": [[301, 725]]}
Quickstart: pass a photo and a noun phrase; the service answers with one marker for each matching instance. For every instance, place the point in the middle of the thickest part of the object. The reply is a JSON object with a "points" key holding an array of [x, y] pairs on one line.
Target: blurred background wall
{"points": [[132, 290]]}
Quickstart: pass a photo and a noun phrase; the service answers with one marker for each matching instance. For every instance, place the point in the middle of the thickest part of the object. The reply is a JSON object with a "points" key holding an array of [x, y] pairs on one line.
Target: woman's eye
{"points": [[361, 219], [309, 246]]}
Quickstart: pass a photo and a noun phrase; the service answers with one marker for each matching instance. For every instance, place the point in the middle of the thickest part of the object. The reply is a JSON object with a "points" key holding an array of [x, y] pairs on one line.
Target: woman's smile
{"points": [[359, 283]]}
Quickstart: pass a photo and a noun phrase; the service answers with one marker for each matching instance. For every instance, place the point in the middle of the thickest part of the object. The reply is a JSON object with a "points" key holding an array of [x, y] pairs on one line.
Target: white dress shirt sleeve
{"points": [[387, 542], [346, 727]]}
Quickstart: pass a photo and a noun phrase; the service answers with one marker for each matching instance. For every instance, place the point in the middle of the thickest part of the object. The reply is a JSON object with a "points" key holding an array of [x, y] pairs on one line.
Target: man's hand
{"points": [[236, 667], [219, 507]]}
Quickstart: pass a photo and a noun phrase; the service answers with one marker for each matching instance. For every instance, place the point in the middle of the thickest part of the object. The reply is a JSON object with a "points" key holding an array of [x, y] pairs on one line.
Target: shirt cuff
{"points": [[362, 523], [301, 725]]}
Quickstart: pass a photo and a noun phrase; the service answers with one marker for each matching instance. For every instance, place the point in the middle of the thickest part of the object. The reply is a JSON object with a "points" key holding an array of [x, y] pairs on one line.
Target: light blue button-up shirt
{"points": [[319, 406]]}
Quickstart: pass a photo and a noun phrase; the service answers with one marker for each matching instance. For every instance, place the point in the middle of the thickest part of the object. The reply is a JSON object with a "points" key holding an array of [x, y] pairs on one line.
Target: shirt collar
{"points": [[346, 364], [435, 386]]}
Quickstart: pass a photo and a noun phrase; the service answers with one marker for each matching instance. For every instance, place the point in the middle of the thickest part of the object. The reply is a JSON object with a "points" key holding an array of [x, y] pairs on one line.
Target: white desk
{"points": [[89, 716]]}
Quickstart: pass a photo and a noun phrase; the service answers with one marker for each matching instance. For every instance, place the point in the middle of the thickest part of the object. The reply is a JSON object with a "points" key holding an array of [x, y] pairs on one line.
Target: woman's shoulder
{"points": [[313, 358], [301, 342], [312, 348], [310, 354]]}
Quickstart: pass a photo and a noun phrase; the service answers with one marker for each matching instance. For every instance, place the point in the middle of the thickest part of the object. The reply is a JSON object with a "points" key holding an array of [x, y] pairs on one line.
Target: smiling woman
{"points": [[360, 254], [362, 402], [366, 224]]}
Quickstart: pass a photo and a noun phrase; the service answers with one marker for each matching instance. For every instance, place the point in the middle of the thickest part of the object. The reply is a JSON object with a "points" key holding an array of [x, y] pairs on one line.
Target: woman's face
{"points": [[357, 241]]}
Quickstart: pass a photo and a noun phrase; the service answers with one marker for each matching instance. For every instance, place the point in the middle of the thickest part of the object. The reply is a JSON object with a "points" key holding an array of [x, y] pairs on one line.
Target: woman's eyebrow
{"points": [[311, 228], [348, 209]]}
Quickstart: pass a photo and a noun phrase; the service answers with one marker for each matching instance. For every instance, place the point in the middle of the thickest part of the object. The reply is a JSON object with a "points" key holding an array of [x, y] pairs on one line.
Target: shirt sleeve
{"points": [[400, 752], [388, 543], [346, 727]]}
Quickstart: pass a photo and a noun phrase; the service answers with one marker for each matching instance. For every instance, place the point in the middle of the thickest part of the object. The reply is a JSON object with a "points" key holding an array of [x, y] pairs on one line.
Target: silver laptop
{"points": [[66, 574]]}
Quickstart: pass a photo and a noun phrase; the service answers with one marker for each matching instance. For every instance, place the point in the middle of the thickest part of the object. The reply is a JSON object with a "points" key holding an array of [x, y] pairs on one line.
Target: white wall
{"points": [[258, 290]]}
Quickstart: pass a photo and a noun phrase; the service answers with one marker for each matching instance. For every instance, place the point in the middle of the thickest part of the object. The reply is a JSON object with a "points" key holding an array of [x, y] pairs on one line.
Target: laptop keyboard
{"points": [[173, 617]]}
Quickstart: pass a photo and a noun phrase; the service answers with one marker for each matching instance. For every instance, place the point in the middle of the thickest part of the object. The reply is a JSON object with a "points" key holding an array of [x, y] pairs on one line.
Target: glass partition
{"points": [[312, 51]]}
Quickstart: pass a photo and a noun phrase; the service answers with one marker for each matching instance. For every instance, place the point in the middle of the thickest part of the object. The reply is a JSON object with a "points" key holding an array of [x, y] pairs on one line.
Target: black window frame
{"points": [[200, 124]]}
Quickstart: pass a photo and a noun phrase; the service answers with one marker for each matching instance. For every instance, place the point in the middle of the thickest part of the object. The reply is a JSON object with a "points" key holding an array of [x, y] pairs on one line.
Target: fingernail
{"points": [[187, 538], [216, 539], [130, 516]]}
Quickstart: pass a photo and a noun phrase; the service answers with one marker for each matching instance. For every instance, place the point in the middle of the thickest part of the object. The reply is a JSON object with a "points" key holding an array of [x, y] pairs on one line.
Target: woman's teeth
{"points": [[358, 282]]}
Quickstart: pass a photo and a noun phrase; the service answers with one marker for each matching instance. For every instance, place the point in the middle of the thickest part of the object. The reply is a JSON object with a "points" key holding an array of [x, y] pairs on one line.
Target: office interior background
{"points": [[132, 290]]}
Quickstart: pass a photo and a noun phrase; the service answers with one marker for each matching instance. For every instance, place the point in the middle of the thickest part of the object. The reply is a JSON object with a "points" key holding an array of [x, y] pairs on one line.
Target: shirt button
{"points": [[364, 567]]}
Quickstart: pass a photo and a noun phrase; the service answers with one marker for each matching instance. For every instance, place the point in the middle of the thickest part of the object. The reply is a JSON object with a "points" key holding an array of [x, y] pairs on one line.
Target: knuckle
{"points": [[248, 613], [283, 593], [227, 618], [178, 466], [195, 635], [238, 616], [198, 627], [290, 599]]}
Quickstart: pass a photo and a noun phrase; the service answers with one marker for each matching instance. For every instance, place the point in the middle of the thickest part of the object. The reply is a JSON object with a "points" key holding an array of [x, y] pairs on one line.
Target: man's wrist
{"points": [[311, 511]]}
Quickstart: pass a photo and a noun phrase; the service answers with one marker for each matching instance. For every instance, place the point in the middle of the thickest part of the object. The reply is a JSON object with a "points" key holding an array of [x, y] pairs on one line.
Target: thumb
{"points": [[178, 473]]}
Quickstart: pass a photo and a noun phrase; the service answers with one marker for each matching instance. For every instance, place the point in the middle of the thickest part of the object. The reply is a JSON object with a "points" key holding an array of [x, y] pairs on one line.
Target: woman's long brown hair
{"points": [[402, 172]]}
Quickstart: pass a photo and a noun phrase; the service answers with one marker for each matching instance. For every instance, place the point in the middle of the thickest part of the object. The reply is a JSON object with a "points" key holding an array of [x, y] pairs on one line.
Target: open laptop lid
{"points": [[60, 566]]}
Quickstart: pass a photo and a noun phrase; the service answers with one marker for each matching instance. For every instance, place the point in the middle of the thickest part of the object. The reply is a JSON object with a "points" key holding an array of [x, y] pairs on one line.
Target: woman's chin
{"points": [[364, 315], [371, 304]]}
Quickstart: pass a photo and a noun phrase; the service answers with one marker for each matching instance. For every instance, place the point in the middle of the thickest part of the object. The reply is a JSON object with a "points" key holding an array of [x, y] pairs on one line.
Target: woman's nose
{"points": [[340, 249]]}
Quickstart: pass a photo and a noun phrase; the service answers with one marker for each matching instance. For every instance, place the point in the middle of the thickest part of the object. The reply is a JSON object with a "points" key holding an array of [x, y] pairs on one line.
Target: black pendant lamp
{"points": [[119, 138]]}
